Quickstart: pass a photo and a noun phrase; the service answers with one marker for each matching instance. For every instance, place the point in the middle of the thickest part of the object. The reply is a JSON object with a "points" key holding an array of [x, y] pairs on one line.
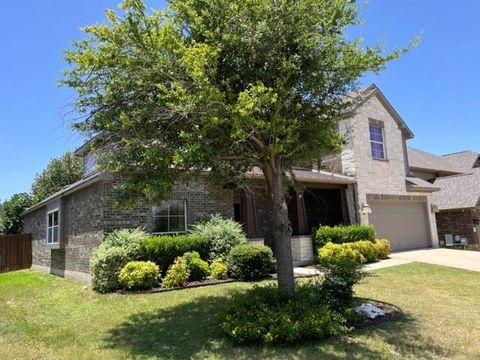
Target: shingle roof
{"points": [[421, 185], [423, 160], [458, 191], [462, 161], [67, 190]]}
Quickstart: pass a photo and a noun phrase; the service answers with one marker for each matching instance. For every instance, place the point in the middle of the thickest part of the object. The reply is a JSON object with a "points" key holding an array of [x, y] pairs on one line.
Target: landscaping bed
{"points": [[190, 285]]}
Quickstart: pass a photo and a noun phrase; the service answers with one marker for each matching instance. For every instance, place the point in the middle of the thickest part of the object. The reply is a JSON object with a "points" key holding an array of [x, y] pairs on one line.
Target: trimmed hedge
{"points": [[249, 262], [342, 234], [366, 248], [163, 250]]}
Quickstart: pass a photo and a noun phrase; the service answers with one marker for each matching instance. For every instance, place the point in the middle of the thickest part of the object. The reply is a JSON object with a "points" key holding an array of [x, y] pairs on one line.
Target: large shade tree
{"points": [[223, 85], [59, 173]]}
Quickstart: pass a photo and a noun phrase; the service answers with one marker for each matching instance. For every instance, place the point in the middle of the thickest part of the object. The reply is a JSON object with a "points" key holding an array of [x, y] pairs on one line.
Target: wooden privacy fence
{"points": [[15, 252]]}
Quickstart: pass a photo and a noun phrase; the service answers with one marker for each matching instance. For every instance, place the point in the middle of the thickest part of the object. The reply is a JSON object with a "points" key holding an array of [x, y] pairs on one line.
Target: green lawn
{"points": [[45, 317]]}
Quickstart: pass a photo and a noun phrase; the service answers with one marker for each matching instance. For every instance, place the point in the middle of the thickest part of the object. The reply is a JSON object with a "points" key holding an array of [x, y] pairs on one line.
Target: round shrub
{"points": [[339, 254], [105, 265], [177, 275], [138, 275], [383, 248], [218, 269], [268, 315], [249, 262], [125, 238], [368, 250], [222, 235], [197, 268]]}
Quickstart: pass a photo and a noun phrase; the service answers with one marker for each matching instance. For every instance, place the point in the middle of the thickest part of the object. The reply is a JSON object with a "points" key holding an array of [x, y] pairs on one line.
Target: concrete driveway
{"points": [[462, 259]]}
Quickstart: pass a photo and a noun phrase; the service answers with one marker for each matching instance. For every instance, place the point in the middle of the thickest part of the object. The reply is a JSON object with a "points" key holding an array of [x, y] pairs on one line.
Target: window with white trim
{"points": [[90, 164], [377, 143], [170, 217], [53, 227]]}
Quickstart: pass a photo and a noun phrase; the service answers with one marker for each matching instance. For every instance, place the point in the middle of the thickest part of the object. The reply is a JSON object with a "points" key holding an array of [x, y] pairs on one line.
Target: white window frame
{"points": [[168, 217], [384, 148], [56, 210], [89, 164]]}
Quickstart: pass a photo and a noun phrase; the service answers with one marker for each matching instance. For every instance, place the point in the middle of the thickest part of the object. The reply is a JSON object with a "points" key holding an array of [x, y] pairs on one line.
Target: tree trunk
{"points": [[281, 229]]}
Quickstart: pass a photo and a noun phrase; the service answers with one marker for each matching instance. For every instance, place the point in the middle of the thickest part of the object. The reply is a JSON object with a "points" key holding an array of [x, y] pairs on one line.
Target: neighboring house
{"points": [[458, 200], [369, 182]]}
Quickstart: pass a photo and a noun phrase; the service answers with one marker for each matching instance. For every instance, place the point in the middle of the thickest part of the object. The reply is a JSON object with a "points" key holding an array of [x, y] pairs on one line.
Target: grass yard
{"points": [[45, 317]]}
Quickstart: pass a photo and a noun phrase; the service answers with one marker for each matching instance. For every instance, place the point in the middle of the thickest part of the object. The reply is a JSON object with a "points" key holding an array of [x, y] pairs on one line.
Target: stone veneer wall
{"points": [[89, 213], [459, 222]]}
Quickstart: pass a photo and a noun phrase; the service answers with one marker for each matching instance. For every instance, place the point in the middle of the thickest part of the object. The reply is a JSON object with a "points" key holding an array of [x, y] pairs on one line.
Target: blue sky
{"points": [[435, 87]]}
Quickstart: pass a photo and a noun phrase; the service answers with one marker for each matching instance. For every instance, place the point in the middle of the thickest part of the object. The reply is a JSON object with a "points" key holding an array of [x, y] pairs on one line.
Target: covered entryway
{"points": [[404, 223]]}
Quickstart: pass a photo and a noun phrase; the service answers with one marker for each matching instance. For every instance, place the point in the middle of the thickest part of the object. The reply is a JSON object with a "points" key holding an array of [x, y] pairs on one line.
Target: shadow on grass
{"points": [[190, 330]]}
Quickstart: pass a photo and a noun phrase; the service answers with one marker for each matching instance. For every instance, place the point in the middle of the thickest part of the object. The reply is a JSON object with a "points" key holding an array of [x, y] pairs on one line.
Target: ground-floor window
{"points": [[53, 225], [170, 217]]}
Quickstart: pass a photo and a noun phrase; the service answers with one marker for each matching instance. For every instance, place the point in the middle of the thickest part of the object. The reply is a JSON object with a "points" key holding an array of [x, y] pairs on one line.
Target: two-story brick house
{"points": [[369, 182]]}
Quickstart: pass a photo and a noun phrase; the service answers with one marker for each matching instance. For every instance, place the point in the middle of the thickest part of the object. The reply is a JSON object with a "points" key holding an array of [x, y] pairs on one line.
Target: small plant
{"points": [[177, 275], [222, 235], [197, 268], [268, 315], [368, 250], [383, 248], [138, 275], [218, 269], [249, 262], [342, 234], [342, 269]]}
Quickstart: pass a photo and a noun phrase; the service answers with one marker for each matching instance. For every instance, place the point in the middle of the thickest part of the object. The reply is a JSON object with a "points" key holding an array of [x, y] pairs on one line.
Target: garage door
{"points": [[405, 224]]}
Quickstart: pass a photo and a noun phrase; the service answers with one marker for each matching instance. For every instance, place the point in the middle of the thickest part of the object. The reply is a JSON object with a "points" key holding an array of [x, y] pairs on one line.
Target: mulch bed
{"points": [[190, 285], [392, 313]]}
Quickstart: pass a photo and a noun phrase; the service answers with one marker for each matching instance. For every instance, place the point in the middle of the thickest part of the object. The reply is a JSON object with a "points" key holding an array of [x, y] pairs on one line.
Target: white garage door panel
{"points": [[405, 224]]}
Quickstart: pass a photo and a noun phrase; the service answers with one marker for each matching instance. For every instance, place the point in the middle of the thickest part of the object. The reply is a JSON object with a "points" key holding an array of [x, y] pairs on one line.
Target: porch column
{"points": [[248, 212]]}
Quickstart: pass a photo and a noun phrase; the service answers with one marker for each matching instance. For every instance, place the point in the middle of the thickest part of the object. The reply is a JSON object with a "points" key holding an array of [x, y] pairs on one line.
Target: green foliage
{"points": [[342, 269], [59, 173], [177, 274], [118, 248], [383, 248], [130, 239], [339, 255], [367, 249], [224, 85], [11, 221], [105, 265], [249, 262], [269, 315], [250, 83], [342, 234], [218, 269], [222, 235], [139, 275], [197, 268], [163, 250]]}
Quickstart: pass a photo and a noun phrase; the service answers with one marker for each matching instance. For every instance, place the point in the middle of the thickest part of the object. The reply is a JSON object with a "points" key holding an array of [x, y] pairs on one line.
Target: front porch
{"points": [[319, 199]]}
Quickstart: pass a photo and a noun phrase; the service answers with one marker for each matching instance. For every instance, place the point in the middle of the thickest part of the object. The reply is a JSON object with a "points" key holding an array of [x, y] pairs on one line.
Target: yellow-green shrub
{"points": [[177, 275], [197, 268], [339, 254], [367, 249], [138, 275], [383, 248], [218, 269]]}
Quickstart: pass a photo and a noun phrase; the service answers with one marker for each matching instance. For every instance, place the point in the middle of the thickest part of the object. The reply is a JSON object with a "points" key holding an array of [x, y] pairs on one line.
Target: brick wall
{"points": [[458, 222], [89, 213]]}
